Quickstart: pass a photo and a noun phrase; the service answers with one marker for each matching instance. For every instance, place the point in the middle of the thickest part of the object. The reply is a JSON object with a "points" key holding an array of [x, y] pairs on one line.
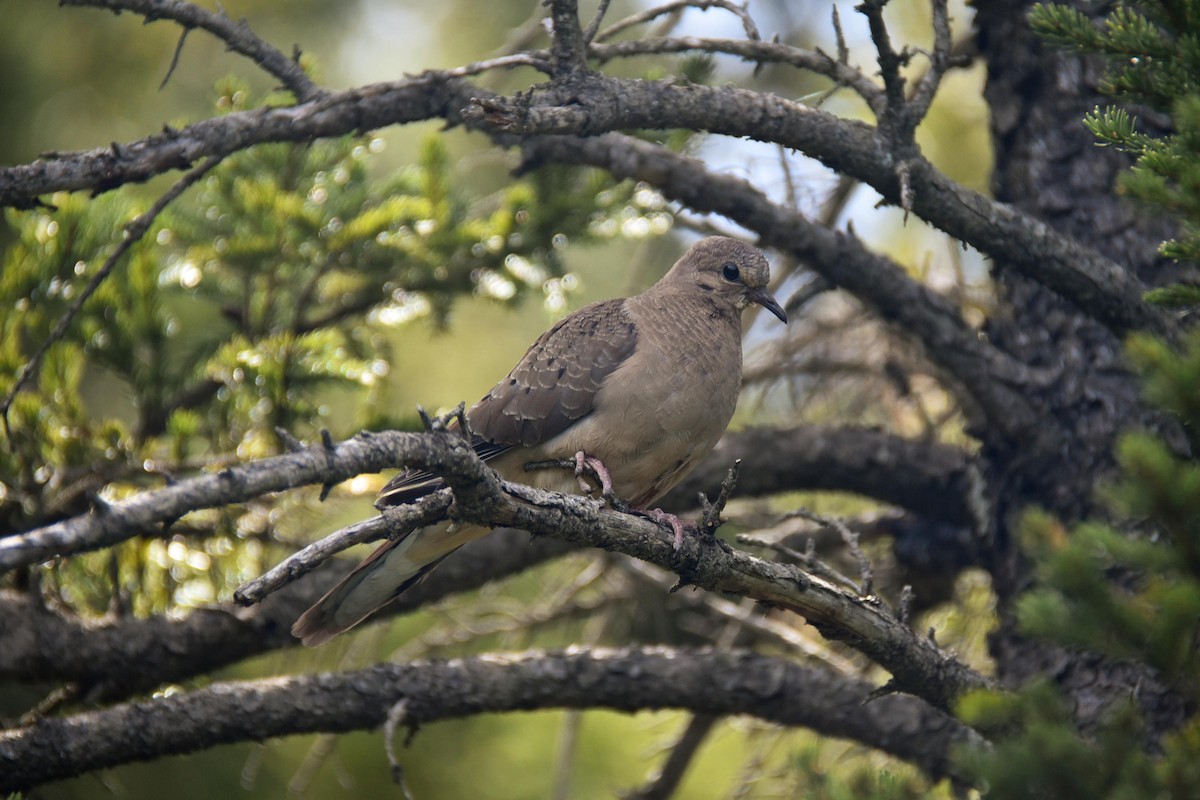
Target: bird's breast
{"points": [[666, 406]]}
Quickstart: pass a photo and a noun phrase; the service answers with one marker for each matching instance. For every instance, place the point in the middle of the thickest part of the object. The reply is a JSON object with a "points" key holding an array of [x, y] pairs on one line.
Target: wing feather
{"points": [[553, 386]]}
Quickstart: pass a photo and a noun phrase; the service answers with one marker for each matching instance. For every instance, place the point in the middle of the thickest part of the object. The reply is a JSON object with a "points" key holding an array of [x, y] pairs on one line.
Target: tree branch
{"points": [[917, 666], [110, 524], [114, 658], [713, 683], [567, 44], [994, 380], [1100, 287], [932, 479], [676, 6], [394, 522], [757, 51], [432, 94]]}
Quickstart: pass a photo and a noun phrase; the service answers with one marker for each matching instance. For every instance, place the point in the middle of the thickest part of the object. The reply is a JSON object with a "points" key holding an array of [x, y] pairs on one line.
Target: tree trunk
{"points": [[1048, 165]]}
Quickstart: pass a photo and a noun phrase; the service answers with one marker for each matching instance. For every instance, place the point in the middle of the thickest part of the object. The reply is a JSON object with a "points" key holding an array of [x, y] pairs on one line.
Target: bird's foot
{"points": [[670, 520], [585, 462]]}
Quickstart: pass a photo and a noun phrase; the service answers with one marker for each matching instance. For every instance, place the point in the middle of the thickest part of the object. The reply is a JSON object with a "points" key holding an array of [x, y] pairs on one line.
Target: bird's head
{"points": [[729, 269]]}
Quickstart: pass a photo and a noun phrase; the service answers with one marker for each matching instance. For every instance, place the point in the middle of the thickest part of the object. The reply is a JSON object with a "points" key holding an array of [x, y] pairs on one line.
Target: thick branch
{"points": [[917, 666], [433, 94], [1100, 287], [992, 379], [935, 480], [115, 658], [567, 44], [107, 525], [624, 680]]}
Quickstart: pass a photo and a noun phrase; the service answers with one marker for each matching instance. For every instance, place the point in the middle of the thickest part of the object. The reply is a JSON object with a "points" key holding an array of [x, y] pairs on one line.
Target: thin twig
{"points": [[538, 59], [904, 609], [711, 519], [889, 64], [807, 560], [757, 51], [939, 61], [397, 716], [679, 5], [767, 628], [850, 538], [175, 57], [395, 521], [589, 33], [134, 231]]}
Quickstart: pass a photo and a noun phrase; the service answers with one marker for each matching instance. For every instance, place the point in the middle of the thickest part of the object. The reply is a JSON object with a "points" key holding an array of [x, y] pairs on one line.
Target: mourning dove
{"points": [[639, 388]]}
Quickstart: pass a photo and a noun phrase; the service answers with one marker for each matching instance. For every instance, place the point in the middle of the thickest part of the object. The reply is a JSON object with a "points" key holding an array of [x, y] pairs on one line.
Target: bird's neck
{"points": [[688, 310]]}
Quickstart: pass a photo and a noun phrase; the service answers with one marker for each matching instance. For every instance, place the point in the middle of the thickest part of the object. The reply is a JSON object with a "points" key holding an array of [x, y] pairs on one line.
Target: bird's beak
{"points": [[764, 298]]}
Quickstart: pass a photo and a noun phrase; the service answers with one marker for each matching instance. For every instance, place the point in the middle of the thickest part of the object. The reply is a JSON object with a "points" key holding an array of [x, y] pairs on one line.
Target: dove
{"points": [[637, 390]]}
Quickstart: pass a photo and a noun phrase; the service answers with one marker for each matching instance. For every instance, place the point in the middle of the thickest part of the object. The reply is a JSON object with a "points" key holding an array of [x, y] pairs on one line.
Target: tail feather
{"points": [[394, 567]]}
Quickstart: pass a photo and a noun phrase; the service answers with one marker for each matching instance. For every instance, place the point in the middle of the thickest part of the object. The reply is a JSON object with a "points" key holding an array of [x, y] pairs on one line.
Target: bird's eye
{"points": [[730, 272]]}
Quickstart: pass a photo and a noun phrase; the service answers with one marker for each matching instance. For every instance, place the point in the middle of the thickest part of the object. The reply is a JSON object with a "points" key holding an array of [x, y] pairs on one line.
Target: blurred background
{"points": [[79, 78]]}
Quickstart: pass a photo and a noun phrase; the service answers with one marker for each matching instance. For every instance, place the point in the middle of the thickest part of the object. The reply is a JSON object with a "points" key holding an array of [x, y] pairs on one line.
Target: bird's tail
{"points": [[394, 567]]}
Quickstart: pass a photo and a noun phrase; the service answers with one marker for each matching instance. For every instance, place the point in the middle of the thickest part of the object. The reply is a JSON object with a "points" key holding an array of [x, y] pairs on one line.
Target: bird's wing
{"points": [[553, 386]]}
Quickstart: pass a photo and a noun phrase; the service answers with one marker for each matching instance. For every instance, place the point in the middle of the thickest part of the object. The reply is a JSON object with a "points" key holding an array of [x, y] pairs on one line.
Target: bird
{"points": [[638, 389]]}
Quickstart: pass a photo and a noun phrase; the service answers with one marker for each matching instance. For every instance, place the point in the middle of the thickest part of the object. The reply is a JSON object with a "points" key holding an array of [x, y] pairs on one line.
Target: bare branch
{"points": [[313, 465], [434, 94], [482, 498], [755, 620], [850, 539], [840, 73], [939, 61], [807, 560], [679, 5], [712, 683], [1097, 285], [590, 33], [989, 376], [894, 115], [237, 37], [929, 478], [915, 664], [538, 59], [116, 658], [1100, 287], [395, 521], [568, 47]]}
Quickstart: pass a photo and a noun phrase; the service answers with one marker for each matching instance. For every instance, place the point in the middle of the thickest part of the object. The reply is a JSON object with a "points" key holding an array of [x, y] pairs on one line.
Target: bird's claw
{"points": [[670, 520], [584, 461]]}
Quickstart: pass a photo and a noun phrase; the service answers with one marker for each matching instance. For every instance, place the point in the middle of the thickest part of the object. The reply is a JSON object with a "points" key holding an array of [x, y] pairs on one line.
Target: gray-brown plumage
{"points": [[645, 384]]}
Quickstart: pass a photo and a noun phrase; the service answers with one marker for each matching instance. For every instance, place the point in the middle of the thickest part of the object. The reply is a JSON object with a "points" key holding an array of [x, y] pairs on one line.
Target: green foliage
{"points": [[1130, 594], [1129, 589], [1042, 756], [816, 780], [261, 301], [1153, 53]]}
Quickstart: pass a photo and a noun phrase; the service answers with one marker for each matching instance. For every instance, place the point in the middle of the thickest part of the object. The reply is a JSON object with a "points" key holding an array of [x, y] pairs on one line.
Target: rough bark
{"points": [[625, 680], [1049, 166], [1047, 383]]}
